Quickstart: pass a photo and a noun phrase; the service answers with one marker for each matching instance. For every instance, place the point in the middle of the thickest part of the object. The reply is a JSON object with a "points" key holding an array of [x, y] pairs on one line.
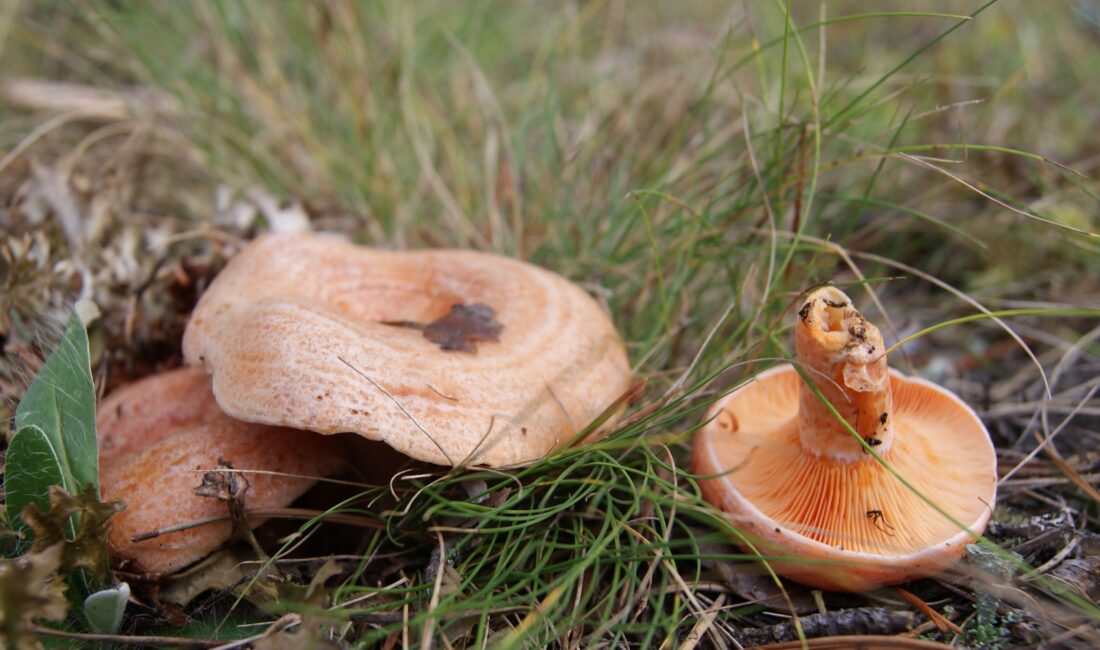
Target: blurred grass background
{"points": [[695, 165]]}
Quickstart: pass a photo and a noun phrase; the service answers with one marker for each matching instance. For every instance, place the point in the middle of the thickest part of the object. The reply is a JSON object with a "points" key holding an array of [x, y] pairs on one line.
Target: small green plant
{"points": [[54, 443], [51, 494]]}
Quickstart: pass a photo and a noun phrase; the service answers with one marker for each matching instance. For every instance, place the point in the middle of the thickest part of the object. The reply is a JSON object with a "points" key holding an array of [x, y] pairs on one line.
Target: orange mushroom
{"points": [[804, 490], [153, 436], [451, 357], [142, 413]]}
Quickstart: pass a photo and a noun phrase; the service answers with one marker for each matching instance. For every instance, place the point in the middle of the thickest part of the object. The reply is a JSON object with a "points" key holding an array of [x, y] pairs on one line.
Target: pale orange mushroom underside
{"points": [[800, 485]]}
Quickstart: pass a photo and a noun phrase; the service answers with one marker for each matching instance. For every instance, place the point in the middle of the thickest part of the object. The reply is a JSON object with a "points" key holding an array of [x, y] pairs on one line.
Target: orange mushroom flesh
{"points": [[802, 487], [155, 438]]}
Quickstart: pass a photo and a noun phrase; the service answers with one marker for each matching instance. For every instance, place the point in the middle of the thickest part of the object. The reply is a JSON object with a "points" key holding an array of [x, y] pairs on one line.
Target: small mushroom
{"points": [[156, 433], [801, 486], [449, 356]]}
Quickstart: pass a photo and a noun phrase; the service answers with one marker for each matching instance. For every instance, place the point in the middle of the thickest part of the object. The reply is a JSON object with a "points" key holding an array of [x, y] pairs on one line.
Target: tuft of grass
{"points": [[695, 168]]}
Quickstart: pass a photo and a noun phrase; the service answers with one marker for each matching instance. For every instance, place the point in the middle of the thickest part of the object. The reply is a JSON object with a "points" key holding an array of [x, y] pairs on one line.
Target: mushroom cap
{"points": [[140, 413], [850, 526], [155, 433], [313, 333]]}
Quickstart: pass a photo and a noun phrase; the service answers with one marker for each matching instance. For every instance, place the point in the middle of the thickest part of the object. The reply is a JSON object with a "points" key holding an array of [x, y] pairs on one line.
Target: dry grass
{"points": [[694, 167]]}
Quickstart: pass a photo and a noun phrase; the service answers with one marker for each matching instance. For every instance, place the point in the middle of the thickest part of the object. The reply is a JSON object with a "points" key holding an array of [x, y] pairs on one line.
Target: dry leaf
{"points": [[459, 329], [313, 629], [220, 571], [89, 548], [30, 590]]}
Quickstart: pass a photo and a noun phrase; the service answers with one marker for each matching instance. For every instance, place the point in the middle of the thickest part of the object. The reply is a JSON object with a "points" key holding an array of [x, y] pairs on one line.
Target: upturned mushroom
{"points": [[156, 433], [452, 357], [807, 492]]}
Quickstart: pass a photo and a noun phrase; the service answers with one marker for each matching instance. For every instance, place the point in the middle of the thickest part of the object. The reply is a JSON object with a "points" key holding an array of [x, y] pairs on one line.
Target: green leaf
{"points": [[32, 466], [104, 609], [55, 441]]}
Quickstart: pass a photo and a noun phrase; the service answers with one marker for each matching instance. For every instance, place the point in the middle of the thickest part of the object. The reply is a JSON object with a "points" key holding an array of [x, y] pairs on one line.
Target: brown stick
{"points": [[866, 641], [282, 513], [864, 621], [942, 624], [176, 641]]}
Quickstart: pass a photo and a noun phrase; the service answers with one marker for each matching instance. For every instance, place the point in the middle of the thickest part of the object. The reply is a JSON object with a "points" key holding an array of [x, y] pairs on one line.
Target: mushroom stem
{"points": [[842, 354]]}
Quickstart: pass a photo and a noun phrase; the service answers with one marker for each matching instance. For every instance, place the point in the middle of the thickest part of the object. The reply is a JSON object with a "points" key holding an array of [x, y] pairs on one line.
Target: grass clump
{"points": [[696, 169]]}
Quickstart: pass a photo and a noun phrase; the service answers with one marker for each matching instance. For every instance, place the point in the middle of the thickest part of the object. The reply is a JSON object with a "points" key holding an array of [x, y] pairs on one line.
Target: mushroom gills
{"points": [[790, 472]]}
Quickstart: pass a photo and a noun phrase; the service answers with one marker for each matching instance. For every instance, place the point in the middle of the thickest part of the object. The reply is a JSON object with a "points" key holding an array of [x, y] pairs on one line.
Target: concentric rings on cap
{"points": [[314, 333]]}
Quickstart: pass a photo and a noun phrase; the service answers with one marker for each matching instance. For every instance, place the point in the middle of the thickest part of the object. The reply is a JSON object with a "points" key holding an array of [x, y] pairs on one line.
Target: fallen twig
{"points": [[939, 620], [864, 641], [866, 620], [281, 513], [174, 641]]}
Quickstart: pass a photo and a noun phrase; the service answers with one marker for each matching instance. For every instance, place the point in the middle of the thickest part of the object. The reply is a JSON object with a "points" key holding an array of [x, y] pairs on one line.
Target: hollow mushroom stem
{"points": [[790, 474], [842, 354]]}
